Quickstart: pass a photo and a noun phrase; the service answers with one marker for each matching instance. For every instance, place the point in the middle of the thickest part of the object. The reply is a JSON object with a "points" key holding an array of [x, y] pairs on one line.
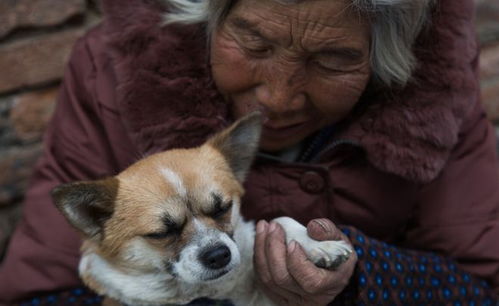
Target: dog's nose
{"points": [[215, 257]]}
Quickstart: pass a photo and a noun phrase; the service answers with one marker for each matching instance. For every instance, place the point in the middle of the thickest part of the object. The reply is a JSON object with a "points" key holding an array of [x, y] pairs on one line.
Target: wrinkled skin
{"points": [[286, 274], [304, 66]]}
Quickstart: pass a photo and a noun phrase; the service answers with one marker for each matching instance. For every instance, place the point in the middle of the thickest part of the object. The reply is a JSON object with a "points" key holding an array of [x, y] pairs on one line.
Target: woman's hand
{"points": [[285, 273]]}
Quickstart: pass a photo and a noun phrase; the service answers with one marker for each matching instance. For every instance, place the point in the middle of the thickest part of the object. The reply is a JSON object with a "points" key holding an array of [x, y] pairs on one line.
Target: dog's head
{"points": [[172, 214]]}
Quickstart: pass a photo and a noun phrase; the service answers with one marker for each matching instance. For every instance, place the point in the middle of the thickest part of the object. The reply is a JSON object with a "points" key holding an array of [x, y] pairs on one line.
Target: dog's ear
{"points": [[87, 205], [239, 143]]}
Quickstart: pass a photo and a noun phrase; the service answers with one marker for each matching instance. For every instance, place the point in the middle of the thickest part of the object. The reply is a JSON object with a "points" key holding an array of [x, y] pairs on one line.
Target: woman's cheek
{"points": [[337, 97], [230, 67]]}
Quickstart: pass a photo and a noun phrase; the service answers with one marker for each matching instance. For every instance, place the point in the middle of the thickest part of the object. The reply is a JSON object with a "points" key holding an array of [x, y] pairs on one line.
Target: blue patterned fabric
{"points": [[388, 275], [76, 296], [84, 296]]}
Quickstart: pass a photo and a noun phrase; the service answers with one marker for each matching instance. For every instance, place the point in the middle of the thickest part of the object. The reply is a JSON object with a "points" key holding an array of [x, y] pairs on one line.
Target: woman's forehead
{"points": [[309, 23]]}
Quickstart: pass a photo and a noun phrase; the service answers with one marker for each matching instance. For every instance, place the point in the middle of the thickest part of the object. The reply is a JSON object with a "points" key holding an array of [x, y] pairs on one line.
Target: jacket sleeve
{"points": [[454, 228], [44, 251], [458, 213]]}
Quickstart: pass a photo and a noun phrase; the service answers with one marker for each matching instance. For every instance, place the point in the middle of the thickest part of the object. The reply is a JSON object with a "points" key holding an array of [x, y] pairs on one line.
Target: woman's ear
{"points": [[87, 205], [239, 143]]}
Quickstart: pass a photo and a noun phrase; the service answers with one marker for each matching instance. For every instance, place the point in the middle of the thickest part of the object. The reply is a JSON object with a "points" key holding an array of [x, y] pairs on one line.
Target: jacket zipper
{"points": [[333, 145], [329, 147]]}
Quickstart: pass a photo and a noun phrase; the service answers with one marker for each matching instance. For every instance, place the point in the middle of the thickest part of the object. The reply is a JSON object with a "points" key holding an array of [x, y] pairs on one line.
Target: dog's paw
{"points": [[324, 254], [328, 254]]}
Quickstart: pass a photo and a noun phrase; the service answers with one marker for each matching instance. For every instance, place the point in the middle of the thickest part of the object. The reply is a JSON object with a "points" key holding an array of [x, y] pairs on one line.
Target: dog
{"points": [[168, 229]]}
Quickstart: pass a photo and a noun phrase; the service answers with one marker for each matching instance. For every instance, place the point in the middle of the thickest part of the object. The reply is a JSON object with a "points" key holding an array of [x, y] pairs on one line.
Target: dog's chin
{"points": [[214, 276], [218, 275]]}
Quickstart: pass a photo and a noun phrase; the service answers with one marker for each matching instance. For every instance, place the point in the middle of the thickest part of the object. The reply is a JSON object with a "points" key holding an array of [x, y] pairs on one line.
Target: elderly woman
{"points": [[365, 127]]}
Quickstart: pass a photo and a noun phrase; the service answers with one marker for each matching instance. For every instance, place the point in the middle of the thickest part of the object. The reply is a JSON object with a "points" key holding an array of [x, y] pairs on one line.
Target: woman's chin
{"points": [[274, 146], [279, 139]]}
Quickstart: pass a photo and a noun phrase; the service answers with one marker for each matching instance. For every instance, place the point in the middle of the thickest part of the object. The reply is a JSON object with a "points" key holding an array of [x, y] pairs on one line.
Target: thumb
{"points": [[323, 229]]}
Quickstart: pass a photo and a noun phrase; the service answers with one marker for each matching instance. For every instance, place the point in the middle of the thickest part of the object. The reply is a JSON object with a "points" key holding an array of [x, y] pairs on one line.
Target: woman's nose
{"points": [[281, 92]]}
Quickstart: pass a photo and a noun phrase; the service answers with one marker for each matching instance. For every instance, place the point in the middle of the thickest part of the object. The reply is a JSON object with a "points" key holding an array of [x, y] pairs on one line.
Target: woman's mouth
{"points": [[277, 131]]}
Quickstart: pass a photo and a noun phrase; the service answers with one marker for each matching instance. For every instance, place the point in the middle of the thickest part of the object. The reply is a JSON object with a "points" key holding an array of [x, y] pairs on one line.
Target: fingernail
{"points": [[322, 225], [261, 226], [291, 246], [272, 227]]}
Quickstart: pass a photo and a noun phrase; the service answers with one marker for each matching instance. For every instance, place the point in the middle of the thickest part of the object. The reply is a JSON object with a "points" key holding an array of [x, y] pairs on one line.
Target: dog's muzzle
{"points": [[215, 257]]}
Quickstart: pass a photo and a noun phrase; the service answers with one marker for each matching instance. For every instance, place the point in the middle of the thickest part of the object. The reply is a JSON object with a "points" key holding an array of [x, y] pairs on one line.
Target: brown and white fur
{"points": [[168, 230]]}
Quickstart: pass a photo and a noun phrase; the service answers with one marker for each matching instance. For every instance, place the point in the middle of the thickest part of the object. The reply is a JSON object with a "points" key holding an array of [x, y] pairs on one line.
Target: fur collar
{"points": [[163, 80], [164, 85]]}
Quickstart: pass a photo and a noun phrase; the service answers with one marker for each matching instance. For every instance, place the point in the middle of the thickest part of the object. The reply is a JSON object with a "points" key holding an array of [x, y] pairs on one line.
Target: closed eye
{"points": [[172, 230], [337, 60], [159, 235], [251, 40], [219, 208], [257, 50]]}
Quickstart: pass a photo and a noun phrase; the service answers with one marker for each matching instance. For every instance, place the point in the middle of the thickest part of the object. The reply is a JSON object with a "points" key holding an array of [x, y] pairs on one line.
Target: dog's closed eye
{"points": [[160, 235], [172, 230], [220, 211], [219, 208]]}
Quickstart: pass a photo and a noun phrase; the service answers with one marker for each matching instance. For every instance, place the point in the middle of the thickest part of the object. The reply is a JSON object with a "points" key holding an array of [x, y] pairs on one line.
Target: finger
{"points": [[262, 266], [311, 279], [323, 229], [276, 252], [347, 268], [259, 257]]}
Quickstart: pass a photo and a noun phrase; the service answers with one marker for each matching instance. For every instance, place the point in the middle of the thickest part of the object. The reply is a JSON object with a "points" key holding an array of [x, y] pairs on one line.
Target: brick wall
{"points": [[488, 32], [35, 40]]}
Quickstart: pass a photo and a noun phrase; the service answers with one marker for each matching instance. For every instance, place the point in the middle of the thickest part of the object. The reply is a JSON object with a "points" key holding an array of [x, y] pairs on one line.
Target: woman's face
{"points": [[303, 65]]}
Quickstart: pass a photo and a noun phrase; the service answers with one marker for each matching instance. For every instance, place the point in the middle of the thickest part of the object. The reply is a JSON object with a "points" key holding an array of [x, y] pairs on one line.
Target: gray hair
{"points": [[395, 27]]}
